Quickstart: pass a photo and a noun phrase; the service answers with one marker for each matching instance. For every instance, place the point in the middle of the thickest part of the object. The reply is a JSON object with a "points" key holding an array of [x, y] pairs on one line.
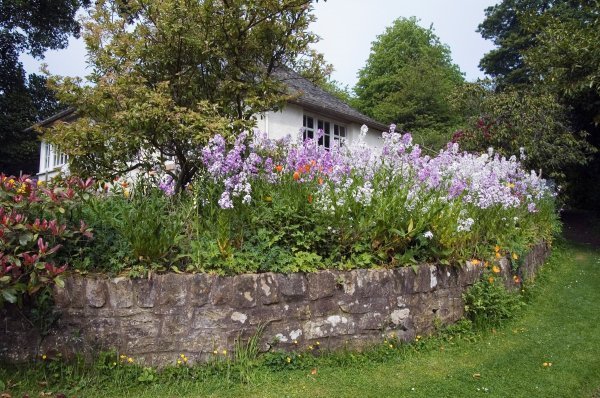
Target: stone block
{"points": [[199, 289], [172, 290], [146, 292], [210, 318], [141, 325], [405, 279], [72, 295], [292, 286], [371, 321], [422, 282], [321, 284], [364, 305], [268, 289], [330, 326], [222, 290], [244, 291], [177, 324], [120, 292], [95, 293], [324, 306]]}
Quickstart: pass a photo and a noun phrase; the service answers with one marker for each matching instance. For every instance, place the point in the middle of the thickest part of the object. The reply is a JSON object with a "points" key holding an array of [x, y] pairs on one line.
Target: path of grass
{"points": [[560, 326]]}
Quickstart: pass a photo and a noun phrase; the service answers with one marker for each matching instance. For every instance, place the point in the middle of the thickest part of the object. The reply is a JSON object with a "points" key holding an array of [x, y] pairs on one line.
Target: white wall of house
{"points": [[289, 121], [277, 125]]}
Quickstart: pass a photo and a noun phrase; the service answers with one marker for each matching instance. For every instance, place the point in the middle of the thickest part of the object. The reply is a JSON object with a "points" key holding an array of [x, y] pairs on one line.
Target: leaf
{"points": [[9, 295], [59, 282], [25, 238], [175, 269], [410, 226]]}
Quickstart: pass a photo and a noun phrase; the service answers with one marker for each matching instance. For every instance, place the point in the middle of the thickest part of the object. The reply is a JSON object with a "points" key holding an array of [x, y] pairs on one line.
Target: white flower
{"points": [[428, 235]]}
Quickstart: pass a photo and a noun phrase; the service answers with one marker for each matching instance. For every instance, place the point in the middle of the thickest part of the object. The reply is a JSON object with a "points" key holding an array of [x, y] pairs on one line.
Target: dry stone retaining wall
{"points": [[154, 320]]}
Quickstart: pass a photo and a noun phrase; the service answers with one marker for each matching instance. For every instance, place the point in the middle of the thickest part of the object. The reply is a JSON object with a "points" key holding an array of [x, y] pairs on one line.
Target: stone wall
{"points": [[154, 320]]}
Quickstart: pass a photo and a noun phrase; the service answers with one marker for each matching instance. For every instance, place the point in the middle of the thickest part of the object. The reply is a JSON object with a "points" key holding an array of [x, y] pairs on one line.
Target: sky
{"points": [[347, 28]]}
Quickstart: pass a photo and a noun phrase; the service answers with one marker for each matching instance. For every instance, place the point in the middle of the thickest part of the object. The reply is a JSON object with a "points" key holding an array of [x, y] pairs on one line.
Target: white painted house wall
{"points": [[289, 122]]}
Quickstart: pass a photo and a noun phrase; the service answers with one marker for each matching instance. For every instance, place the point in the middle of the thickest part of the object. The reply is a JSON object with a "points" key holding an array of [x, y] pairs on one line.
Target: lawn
{"points": [[551, 349]]}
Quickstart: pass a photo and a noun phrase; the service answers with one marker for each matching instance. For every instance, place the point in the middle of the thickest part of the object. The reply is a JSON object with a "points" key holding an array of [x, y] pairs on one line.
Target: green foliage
{"points": [[488, 303], [552, 47], [505, 26], [137, 227], [407, 77], [515, 118], [168, 75]]}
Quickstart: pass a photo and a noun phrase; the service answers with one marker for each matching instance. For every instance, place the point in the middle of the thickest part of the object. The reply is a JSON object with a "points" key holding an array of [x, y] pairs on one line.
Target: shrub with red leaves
{"points": [[36, 221]]}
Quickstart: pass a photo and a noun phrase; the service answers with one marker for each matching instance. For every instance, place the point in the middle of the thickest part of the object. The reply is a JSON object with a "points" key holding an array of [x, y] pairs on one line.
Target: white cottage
{"points": [[311, 109]]}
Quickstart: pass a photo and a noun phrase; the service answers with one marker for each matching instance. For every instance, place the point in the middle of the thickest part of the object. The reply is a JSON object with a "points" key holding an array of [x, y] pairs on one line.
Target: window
{"points": [[309, 128], [333, 134], [53, 158]]}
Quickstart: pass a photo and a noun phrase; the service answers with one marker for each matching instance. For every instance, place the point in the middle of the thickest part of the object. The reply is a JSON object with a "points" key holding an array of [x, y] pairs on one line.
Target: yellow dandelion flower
{"points": [[515, 256], [181, 356], [310, 347], [179, 362], [288, 359], [391, 346], [295, 341], [130, 360], [122, 356], [215, 352], [224, 352], [491, 279], [497, 248], [185, 359], [317, 343], [475, 261], [498, 255], [496, 269], [44, 356]]}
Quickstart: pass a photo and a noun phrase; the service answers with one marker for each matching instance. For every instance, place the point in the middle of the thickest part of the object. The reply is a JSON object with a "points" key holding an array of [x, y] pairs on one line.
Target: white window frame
{"points": [[52, 158], [334, 133]]}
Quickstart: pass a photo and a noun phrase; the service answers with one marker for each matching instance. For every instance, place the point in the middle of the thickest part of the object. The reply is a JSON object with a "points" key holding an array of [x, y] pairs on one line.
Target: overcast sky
{"points": [[347, 28]]}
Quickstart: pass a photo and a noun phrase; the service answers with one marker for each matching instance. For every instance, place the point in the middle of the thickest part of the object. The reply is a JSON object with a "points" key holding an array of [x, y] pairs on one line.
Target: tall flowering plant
{"points": [[384, 206], [35, 226]]}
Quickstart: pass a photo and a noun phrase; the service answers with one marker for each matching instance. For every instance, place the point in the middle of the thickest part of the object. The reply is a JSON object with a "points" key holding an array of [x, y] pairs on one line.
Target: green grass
{"points": [[559, 325]]}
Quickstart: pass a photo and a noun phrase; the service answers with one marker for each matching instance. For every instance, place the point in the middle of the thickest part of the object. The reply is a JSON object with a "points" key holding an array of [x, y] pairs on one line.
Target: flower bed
{"points": [[260, 205]]}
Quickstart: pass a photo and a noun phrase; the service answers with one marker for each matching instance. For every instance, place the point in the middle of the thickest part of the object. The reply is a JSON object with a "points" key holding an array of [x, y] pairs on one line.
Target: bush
{"points": [[38, 233], [488, 303]]}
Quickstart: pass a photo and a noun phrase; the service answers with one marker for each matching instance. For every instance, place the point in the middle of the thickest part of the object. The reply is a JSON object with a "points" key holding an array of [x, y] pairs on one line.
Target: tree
{"points": [[553, 47], [407, 77], [28, 27], [514, 121], [504, 25], [169, 75]]}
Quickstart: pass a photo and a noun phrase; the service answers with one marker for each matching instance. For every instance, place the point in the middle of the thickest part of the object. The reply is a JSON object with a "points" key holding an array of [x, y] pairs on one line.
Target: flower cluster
{"points": [[484, 181]]}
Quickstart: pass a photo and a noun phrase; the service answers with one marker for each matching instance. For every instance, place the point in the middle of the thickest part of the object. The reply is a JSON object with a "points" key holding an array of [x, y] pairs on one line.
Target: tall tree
{"points": [[504, 25], [553, 46], [168, 75], [407, 77], [28, 27]]}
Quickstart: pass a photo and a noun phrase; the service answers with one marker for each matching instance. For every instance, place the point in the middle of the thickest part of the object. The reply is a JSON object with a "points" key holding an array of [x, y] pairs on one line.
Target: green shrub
{"points": [[488, 303]]}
